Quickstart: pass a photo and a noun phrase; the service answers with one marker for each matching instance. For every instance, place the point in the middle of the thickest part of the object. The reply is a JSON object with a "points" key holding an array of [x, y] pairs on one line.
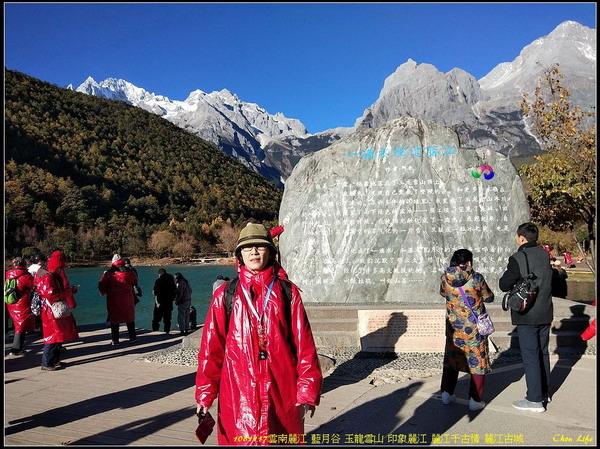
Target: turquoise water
{"points": [[91, 307]]}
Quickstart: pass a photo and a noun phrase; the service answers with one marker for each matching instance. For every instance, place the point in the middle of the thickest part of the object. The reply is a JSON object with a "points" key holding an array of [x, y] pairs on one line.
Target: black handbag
{"points": [[522, 297]]}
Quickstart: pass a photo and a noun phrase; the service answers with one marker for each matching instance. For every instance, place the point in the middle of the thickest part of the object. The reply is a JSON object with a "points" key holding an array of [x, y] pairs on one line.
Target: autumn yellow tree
{"points": [[185, 247], [161, 243], [228, 236], [561, 184]]}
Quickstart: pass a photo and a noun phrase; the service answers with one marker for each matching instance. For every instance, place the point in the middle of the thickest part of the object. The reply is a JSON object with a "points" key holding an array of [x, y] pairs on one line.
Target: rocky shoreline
{"points": [[376, 368]]}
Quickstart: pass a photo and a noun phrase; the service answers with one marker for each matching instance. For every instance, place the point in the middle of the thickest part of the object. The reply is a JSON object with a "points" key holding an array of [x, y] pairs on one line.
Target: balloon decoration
{"points": [[486, 170]]}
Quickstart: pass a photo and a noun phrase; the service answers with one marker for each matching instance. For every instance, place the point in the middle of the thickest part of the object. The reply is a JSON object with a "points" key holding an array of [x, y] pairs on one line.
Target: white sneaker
{"points": [[447, 398], [474, 405]]}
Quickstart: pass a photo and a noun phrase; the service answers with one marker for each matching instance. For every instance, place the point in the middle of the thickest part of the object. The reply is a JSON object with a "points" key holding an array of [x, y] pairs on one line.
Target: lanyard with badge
{"points": [[262, 335]]}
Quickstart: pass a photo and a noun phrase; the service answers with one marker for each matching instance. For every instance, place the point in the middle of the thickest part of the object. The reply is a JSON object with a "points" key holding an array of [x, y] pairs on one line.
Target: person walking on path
{"points": [[20, 312], [258, 355], [165, 291], [466, 350], [117, 284], [50, 283], [533, 325], [183, 301]]}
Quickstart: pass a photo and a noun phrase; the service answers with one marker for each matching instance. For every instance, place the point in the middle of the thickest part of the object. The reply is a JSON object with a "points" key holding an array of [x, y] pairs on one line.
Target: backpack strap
{"points": [[524, 273], [467, 302], [231, 289]]}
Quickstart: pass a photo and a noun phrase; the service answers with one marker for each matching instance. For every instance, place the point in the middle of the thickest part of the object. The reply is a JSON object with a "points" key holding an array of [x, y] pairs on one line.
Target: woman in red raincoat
{"points": [[117, 284], [20, 312], [264, 368], [51, 286]]}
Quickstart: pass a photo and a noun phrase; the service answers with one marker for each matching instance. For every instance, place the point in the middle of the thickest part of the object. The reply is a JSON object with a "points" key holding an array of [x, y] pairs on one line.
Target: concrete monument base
{"points": [[403, 330]]}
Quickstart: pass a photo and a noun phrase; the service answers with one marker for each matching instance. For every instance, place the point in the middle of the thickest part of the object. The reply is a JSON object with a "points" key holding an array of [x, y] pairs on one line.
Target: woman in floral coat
{"points": [[466, 350]]}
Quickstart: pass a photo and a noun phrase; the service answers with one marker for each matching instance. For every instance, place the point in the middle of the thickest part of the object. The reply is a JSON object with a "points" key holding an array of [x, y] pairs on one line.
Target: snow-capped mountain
{"points": [[483, 112], [241, 129], [487, 112], [572, 45]]}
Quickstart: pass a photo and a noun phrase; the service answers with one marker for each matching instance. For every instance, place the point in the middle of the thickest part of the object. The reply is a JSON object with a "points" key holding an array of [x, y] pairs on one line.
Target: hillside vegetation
{"points": [[94, 176]]}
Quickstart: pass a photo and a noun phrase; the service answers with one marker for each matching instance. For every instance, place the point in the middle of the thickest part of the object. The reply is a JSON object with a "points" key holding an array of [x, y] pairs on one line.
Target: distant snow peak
{"points": [[484, 112], [226, 94], [565, 45], [567, 28], [241, 129], [224, 101], [487, 112]]}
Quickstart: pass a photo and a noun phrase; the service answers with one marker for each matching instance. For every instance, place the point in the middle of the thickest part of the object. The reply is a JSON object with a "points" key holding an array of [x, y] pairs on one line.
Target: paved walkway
{"points": [[107, 396]]}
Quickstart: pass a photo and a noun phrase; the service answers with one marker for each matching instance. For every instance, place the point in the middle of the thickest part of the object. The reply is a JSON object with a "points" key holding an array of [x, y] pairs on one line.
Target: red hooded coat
{"points": [[20, 312], [118, 288], [57, 260], [257, 397], [50, 287]]}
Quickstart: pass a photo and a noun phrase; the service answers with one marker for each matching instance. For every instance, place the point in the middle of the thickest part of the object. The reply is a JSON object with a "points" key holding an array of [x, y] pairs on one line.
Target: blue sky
{"points": [[321, 63]]}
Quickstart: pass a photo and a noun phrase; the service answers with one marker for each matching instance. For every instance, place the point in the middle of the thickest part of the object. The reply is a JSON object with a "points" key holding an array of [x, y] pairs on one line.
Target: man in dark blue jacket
{"points": [[533, 325]]}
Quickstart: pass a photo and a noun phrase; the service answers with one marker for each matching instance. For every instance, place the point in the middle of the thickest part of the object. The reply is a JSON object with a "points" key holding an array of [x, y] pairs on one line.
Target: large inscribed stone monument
{"points": [[375, 217]]}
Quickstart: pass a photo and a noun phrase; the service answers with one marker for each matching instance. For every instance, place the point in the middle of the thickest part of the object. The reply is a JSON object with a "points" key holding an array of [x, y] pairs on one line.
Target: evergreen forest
{"points": [[93, 176]]}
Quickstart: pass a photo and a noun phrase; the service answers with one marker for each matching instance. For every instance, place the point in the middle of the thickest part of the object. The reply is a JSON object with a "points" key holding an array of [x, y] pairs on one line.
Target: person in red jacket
{"points": [[49, 283], [569, 260], [20, 312], [590, 331], [117, 284], [260, 359]]}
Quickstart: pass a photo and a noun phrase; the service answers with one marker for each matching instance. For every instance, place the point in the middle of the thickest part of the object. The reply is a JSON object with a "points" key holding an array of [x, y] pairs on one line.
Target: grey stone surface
{"points": [[375, 217], [376, 367]]}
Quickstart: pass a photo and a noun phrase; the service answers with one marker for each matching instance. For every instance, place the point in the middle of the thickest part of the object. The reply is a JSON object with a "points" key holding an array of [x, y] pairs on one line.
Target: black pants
{"points": [[51, 354], [162, 312], [476, 383], [533, 342], [114, 331]]}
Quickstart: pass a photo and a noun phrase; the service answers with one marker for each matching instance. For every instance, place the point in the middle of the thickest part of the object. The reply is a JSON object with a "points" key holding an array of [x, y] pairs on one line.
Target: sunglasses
{"points": [[259, 248]]}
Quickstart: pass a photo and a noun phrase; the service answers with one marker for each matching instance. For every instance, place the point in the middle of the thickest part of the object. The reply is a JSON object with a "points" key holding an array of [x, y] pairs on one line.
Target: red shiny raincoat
{"points": [[257, 397], [120, 301], [20, 312], [51, 288]]}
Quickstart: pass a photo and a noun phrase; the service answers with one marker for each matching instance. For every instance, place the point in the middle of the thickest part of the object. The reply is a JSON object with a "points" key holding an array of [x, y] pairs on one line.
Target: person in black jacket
{"points": [[560, 288], [165, 291], [533, 325]]}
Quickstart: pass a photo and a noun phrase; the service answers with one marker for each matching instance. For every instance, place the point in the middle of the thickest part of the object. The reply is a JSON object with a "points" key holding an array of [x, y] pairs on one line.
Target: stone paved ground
{"points": [[135, 395]]}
